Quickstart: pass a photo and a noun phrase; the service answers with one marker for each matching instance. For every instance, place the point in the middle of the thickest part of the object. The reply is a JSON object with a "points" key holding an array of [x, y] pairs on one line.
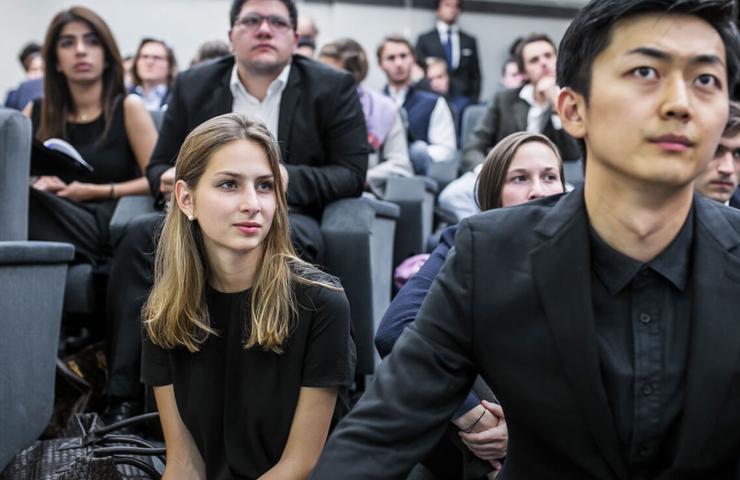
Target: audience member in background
{"points": [[511, 76], [522, 167], [313, 112], [307, 37], [386, 135], [32, 87], [605, 319], [247, 345], [209, 51], [128, 67], [439, 82], [85, 103], [154, 72], [429, 121], [530, 108], [720, 180], [457, 48]]}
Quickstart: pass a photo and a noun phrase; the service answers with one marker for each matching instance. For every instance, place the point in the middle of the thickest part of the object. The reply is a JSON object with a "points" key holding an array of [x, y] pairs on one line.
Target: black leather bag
{"points": [[89, 450]]}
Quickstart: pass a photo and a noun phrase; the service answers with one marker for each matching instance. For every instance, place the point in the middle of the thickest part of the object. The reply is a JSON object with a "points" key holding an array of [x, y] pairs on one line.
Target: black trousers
{"points": [[131, 278], [85, 225]]}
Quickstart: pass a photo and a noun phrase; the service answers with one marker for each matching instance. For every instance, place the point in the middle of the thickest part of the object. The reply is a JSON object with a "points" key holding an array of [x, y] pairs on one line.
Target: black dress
{"points": [[238, 404], [85, 224]]}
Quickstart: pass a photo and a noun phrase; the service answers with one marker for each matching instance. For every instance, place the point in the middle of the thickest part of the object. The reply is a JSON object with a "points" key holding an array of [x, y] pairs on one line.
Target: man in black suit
{"points": [[528, 108], [604, 319], [312, 110], [720, 180], [460, 50]]}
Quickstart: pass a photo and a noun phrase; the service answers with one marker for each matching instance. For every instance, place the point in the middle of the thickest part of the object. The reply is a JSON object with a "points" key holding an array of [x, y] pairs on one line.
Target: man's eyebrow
{"points": [[704, 59]]}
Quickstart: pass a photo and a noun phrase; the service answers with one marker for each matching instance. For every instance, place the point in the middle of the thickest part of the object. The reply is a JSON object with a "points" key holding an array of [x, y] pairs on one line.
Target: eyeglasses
{"points": [[253, 21], [154, 58]]}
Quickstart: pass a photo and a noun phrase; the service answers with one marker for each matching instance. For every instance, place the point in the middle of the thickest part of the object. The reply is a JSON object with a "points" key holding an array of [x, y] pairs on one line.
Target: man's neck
{"points": [[398, 87], [636, 219], [257, 82]]}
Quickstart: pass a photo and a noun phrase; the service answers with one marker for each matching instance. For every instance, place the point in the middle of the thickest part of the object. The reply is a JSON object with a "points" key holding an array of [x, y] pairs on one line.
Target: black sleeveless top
{"points": [[111, 157]]}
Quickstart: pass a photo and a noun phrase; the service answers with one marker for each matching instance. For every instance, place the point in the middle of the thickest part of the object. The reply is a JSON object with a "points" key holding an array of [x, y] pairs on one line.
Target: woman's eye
{"points": [[92, 40], [646, 73], [265, 186], [66, 42], [228, 185], [519, 179], [551, 178]]}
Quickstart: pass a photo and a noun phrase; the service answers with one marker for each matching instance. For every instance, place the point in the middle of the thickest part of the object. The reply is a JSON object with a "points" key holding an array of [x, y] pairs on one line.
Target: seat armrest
{"points": [[128, 208], [358, 239], [35, 253], [445, 172]]}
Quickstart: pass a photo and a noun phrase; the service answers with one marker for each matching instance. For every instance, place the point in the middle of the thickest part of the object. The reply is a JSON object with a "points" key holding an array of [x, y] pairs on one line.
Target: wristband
{"points": [[470, 428]]}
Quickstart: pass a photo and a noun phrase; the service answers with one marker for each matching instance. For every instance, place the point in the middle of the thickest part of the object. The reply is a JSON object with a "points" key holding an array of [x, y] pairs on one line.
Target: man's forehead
{"points": [[732, 142], [681, 36], [395, 48], [271, 6], [536, 48]]}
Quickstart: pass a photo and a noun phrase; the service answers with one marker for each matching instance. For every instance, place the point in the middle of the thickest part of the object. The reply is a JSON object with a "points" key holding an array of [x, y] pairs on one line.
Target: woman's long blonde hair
{"points": [[176, 314]]}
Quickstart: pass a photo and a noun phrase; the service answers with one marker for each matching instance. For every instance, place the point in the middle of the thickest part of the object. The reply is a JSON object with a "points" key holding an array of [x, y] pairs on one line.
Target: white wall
{"points": [[188, 23]]}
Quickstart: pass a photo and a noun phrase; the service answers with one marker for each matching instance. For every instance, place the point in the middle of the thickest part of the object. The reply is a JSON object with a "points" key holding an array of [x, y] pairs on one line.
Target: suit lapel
{"points": [[715, 329], [564, 254], [288, 102]]}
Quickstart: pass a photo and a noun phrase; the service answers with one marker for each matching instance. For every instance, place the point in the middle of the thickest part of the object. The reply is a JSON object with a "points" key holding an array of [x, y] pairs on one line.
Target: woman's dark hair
{"points": [[171, 60], [492, 176], [236, 7], [590, 33], [349, 54], [57, 103]]}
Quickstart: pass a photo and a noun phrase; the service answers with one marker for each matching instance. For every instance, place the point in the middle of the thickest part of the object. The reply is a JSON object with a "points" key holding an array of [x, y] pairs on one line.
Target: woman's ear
{"points": [[572, 112], [184, 199]]}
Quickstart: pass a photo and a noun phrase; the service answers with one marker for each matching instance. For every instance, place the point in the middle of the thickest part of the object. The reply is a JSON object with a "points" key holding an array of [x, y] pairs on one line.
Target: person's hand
{"points": [[167, 181], [497, 466], [489, 437], [48, 184], [546, 90], [81, 192]]}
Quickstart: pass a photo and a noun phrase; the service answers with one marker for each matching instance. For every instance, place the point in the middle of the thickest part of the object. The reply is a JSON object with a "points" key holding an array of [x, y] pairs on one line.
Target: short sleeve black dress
{"points": [[237, 403]]}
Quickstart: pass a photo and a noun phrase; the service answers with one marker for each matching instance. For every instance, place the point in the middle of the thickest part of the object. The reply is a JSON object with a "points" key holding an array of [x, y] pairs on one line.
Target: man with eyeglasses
{"points": [[720, 180], [311, 109]]}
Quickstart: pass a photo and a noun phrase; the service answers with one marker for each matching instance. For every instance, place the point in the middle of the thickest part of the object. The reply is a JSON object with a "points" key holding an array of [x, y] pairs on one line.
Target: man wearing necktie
{"points": [[459, 49]]}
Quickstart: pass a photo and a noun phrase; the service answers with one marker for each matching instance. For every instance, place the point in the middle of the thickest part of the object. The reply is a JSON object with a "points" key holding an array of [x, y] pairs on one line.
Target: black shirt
{"points": [[237, 403], [643, 318]]}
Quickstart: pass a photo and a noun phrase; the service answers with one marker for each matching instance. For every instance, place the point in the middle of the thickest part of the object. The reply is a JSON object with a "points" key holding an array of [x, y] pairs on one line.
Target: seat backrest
{"points": [[471, 117], [15, 159]]}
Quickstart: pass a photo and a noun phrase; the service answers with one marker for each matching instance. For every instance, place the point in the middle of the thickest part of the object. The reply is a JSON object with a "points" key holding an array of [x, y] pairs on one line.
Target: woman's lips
{"points": [[248, 228]]}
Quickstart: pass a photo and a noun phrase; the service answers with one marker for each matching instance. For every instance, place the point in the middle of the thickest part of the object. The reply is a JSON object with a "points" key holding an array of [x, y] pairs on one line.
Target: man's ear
{"points": [[231, 42], [184, 199], [572, 112]]}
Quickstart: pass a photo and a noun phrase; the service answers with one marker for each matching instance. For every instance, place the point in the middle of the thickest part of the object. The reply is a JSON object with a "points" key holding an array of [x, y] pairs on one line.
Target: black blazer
{"points": [[506, 114], [465, 79], [321, 128], [517, 309]]}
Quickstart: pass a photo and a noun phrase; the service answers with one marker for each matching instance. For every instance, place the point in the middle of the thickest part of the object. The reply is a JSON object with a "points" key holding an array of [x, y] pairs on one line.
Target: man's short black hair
{"points": [[590, 33], [459, 4], [27, 52], [236, 7]]}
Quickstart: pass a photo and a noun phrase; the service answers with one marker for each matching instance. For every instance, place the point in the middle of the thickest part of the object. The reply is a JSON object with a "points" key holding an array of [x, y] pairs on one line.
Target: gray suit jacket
{"points": [[506, 114], [516, 308]]}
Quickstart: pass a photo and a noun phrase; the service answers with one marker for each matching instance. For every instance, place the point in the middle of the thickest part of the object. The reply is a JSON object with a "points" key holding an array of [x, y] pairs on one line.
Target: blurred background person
{"points": [[720, 179], [153, 72], [32, 87], [385, 132], [511, 76], [210, 50], [307, 37]]}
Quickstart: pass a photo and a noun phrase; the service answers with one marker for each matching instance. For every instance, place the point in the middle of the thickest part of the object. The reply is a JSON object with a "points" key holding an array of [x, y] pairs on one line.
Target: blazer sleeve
{"points": [[344, 137], [395, 423], [483, 137], [171, 135], [475, 76]]}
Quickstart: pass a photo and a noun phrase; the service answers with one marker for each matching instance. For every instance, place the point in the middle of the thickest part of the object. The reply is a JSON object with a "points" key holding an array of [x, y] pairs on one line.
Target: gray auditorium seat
{"points": [[31, 291], [415, 196]]}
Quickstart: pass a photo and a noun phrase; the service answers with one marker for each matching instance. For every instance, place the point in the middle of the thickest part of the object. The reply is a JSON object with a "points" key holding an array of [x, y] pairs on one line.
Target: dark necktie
{"points": [[448, 49]]}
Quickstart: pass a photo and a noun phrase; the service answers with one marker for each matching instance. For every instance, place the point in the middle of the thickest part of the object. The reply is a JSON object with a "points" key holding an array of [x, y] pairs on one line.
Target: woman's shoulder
{"points": [[316, 288]]}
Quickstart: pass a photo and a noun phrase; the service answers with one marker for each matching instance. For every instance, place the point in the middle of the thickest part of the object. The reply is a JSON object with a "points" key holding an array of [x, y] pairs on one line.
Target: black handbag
{"points": [[88, 450]]}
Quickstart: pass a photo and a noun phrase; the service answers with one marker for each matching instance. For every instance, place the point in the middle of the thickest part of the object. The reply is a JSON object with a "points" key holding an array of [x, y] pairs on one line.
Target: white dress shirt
{"points": [[535, 120], [441, 133], [266, 111], [442, 29]]}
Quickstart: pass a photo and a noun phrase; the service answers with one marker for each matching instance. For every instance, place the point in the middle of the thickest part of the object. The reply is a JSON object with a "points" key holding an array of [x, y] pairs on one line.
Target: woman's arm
{"points": [[183, 459], [307, 435]]}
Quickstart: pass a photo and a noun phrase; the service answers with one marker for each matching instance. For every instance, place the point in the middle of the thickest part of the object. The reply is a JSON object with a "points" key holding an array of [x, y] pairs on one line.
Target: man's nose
{"points": [[726, 164], [676, 103]]}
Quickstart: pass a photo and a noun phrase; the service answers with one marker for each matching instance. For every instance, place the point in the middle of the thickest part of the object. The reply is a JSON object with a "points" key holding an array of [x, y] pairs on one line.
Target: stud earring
{"points": [[191, 217]]}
